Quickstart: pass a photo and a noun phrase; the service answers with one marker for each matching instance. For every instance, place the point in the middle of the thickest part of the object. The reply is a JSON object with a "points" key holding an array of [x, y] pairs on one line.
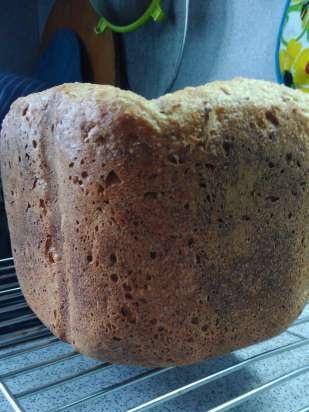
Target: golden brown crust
{"points": [[160, 232]]}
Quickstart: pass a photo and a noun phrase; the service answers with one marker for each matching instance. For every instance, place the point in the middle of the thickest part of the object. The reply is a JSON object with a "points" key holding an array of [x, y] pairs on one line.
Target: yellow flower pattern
{"points": [[294, 50]]}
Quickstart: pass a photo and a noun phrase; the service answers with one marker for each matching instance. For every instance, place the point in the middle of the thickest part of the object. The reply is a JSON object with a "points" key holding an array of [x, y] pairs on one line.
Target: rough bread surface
{"points": [[160, 232]]}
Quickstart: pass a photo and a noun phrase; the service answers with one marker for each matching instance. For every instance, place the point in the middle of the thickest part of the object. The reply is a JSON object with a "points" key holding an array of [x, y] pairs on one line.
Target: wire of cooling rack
{"points": [[18, 325]]}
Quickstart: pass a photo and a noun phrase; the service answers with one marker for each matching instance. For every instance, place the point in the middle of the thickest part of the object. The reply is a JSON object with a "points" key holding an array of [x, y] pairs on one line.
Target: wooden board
{"points": [[98, 53]]}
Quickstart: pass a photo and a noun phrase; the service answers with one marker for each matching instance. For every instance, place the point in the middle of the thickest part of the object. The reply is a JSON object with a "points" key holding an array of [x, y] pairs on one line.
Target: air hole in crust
{"points": [[100, 189], [227, 147], [150, 195], [34, 183], [127, 287], [42, 205], [128, 296], [173, 158], [114, 277], [273, 198], [288, 157], [124, 311], [209, 166], [113, 259], [99, 140], [153, 321], [116, 338], [225, 91], [153, 254], [112, 179], [51, 257]]}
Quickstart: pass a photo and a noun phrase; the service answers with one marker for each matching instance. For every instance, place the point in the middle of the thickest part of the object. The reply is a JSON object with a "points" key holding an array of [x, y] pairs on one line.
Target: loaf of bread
{"points": [[160, 232]]}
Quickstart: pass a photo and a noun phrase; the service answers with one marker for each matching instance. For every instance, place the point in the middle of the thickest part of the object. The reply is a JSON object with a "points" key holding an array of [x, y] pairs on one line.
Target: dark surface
{"points": [[5, 249], [121, 12]]}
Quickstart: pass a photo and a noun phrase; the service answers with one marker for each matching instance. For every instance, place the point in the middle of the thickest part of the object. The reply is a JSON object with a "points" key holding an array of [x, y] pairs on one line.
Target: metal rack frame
{"points": [[26, 328]]}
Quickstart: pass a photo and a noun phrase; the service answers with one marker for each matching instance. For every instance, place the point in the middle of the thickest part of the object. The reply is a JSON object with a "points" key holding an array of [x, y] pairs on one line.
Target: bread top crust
{"points": [[188, 107]]}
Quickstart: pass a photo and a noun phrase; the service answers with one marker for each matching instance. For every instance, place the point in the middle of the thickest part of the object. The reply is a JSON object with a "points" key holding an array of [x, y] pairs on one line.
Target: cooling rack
{"points": [[40, 373]]}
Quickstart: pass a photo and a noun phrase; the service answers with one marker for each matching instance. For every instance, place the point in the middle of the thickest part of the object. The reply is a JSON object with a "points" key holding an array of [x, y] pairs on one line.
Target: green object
{"points": [[154, 11]]}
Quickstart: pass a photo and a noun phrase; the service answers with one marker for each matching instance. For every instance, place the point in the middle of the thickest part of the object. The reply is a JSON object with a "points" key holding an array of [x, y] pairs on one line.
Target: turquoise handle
{"points": [[154, 11]]}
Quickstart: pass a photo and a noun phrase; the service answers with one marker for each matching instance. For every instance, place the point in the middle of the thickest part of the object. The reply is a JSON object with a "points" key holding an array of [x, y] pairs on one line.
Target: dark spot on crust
{"points": [[207, 110], [124, 311], [99, 140], [127, 287], [42, 205], [114, 277], [225, 91], [271, 117], [116, 338], [153, 254], [173, 158], [288, 157], [227, 146], [48, 252], [209, 166], [113, 259], [34, 183], [150, 195], [128, 296], [273, 198]]}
